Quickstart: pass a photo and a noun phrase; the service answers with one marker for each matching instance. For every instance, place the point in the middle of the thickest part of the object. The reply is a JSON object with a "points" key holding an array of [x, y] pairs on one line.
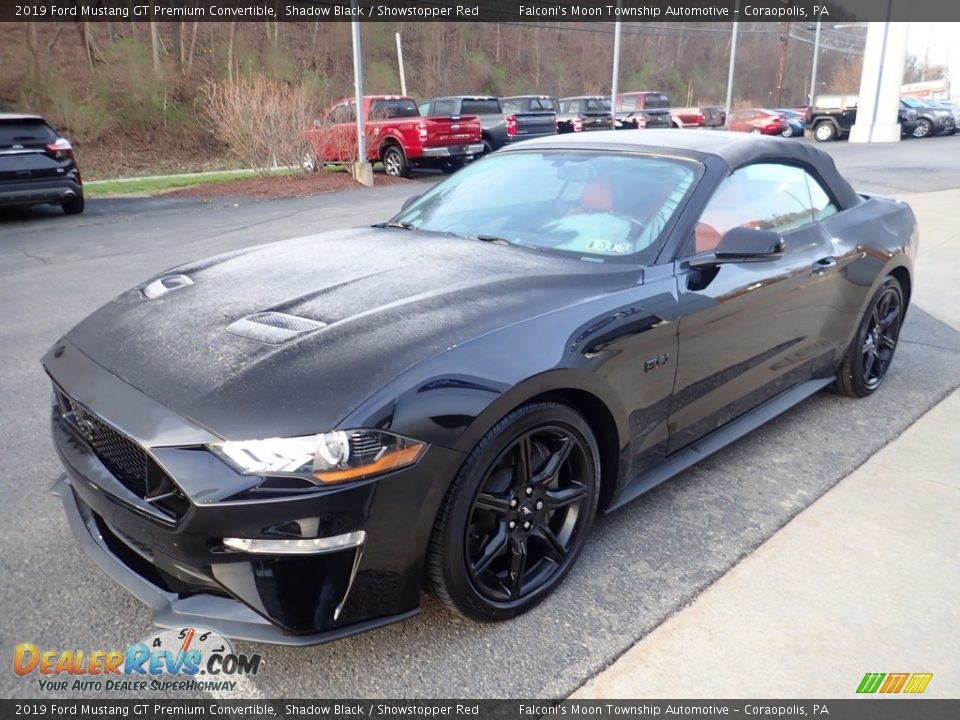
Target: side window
{"points": [[342, 114], [823, 206], [510, 106], [424, 109], [765, 196], [573, 107]]}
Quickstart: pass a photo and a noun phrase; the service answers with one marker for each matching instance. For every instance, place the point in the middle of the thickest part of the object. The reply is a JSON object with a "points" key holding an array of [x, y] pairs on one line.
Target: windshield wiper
{"points": [[401, 225]]}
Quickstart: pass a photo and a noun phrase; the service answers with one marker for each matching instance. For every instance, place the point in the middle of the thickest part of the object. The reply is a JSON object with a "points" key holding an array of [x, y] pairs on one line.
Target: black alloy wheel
{"points": [[518, 514], [869, 358]]}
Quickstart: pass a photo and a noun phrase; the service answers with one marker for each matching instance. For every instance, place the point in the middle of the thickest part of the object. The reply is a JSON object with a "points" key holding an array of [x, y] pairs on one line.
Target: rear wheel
{"points": [[824, 132], [787, 131], [73, 206], [517, 515], [755, 131], [395, 162], [866, 363]]}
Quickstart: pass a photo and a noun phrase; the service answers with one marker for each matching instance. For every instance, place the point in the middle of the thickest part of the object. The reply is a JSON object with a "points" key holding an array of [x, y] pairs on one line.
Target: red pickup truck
{"points": [[396, 135]]}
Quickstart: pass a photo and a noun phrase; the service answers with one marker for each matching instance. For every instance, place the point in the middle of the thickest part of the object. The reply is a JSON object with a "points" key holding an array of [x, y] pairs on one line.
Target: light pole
{"points": [[615, 82], [362, 170], [813, 71], [733, 58]]}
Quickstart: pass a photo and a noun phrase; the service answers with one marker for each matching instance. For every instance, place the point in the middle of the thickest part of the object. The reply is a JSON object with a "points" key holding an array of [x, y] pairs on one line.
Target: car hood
{"points": [[370, 303]]}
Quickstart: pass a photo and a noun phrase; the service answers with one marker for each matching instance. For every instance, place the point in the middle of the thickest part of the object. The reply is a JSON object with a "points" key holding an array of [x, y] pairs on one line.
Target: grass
{"points": [[154, 185]]}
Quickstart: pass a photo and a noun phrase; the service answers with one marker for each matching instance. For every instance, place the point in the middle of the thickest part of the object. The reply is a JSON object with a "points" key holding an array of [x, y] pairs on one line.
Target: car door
{"points": [[340, 137], [749, 331]]}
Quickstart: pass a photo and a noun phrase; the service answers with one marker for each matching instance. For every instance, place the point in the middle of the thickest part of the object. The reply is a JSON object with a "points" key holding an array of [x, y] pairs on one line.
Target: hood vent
{"points": [[168, 283], [273, 328]]}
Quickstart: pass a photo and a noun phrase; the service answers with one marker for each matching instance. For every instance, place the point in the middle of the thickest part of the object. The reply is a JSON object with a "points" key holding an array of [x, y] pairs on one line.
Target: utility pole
{"points": [[784, 39]]}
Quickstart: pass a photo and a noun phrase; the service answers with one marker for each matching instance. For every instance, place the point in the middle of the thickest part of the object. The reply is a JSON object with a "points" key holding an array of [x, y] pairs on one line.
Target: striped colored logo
{"points": [[890, 683]]}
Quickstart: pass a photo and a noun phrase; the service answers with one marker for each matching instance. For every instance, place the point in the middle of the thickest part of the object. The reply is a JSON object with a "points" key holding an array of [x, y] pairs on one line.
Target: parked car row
{"points": [[831, 117], [445, 132]]}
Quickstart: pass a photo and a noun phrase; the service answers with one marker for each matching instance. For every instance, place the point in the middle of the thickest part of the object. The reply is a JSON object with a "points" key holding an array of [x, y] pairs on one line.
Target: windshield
{"points": [[25, 131], [594, 205]]}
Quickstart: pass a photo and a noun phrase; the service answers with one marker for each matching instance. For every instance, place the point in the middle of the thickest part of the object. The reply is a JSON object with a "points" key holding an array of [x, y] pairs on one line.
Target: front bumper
{"points": [[170, 609], [453, 150], [173, 557], [943, 125]]}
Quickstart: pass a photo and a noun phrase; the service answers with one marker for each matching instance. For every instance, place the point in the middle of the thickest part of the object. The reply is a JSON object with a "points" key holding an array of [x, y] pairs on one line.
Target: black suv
{"points": [[584, 113], [831, 117], [644, 109], [37, 165], [931, 119]]}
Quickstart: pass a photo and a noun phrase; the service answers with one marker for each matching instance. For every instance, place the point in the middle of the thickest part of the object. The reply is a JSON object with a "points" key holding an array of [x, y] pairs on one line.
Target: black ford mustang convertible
{"points": [[282, 443]]}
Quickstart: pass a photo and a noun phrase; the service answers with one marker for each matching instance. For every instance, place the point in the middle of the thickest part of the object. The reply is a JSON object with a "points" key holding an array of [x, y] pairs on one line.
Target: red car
{"points": [[758, 120], [396, 134]]}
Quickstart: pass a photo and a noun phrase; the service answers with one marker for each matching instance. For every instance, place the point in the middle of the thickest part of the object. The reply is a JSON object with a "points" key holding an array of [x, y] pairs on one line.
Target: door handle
{"points": [[824, 264]]}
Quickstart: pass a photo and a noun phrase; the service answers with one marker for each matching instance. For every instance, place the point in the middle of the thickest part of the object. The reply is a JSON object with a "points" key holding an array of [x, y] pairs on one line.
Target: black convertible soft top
{"points": [[733, 148]]}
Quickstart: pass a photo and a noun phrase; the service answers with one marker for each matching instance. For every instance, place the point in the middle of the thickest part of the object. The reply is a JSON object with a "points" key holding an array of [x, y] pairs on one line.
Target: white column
{"points": [[880, 83]]}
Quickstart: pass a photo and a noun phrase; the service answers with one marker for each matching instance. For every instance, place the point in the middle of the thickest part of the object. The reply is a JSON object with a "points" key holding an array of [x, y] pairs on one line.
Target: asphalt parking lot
{"points": [[641, 565]]}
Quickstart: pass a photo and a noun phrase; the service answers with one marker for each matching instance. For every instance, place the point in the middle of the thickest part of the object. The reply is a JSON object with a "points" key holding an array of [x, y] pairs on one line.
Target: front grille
{"points": [[126, 460]]}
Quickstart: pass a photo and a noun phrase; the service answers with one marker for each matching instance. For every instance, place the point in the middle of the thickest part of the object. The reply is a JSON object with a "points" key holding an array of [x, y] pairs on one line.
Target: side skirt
{"points": [[717, 440]]}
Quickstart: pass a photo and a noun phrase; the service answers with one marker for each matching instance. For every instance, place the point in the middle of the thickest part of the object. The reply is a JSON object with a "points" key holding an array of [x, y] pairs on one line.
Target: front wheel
{"points": [[395, 162], [866, 363], [517, 515], [923, 129], [310, 163], [787, 131]]}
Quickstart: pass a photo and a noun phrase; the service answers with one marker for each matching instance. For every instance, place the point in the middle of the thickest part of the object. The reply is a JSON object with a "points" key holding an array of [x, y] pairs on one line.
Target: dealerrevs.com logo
{"points": [[183, 659]]}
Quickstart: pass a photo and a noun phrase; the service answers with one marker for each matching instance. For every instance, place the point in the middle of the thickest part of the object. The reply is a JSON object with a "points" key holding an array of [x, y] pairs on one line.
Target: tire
{"points": [[474, 551], [395, 162], [824, 131], [923, 129], [310, 163], [755, 131], [869, 357], [787, 132], [73, 206]]}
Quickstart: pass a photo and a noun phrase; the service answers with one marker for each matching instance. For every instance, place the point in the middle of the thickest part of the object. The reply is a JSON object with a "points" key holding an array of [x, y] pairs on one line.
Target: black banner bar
{"points": [[847, 709], [553, 11]]}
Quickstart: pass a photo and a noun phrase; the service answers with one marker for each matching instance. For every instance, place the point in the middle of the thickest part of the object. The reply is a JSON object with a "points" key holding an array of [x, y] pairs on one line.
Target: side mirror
{"points": [[409, 201], [743, 244]]}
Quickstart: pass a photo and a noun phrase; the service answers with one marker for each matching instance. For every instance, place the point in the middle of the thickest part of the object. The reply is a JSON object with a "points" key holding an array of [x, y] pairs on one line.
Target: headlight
{"points": [[941, 113], [331, 457]]}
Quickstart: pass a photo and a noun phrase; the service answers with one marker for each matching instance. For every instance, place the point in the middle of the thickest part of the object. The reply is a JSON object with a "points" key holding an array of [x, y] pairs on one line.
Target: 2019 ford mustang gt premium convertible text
{"points": [[281, 443]]}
